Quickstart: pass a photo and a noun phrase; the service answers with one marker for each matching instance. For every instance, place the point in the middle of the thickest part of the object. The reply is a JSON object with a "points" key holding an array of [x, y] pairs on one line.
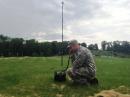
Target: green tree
{"points": [[84, 44]]}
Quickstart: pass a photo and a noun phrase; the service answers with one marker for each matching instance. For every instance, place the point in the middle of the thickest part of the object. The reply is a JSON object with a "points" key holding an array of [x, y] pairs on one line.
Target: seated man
{"points": [[83, 66]]}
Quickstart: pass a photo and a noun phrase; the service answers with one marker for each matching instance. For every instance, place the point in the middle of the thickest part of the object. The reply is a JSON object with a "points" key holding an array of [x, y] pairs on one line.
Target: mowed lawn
{"points": [[33, 77]]}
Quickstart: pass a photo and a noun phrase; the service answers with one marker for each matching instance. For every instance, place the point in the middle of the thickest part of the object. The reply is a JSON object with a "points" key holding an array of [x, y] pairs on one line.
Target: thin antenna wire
{"points": [[62, 34]]}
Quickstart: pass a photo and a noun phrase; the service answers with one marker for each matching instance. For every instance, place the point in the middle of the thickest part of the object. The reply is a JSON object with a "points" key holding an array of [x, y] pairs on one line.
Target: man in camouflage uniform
{"points": [[83, 65]]}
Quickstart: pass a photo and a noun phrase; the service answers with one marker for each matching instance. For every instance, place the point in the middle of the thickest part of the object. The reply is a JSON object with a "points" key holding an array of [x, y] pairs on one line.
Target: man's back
{"points": [[83, 68], [83, 58]]}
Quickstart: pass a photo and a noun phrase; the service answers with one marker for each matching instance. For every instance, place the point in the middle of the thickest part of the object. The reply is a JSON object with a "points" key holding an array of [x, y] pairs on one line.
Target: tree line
{"points": [[20, 47], [116, 46]]}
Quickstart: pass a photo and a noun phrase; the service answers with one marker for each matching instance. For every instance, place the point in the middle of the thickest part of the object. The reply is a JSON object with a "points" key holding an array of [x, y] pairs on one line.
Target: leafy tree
{"points": [[93, 47], [84, 44]]}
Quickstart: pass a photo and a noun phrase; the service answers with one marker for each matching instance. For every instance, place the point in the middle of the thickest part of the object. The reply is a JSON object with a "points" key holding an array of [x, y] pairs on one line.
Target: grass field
{"points": [[33, 77]]}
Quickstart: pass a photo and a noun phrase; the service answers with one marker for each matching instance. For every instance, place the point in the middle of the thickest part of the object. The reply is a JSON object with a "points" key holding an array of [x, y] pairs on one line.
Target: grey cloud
{"points": [[81, 9], [48, 36], [23, 17], [27, 16], [41, 19]]}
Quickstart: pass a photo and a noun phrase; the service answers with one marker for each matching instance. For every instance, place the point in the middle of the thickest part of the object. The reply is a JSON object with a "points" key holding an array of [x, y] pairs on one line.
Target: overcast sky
{"points": [[89, 21]]}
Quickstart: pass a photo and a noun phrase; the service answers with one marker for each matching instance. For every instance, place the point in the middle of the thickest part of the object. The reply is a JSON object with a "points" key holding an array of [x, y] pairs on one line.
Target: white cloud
{"points": [[111, 23]]}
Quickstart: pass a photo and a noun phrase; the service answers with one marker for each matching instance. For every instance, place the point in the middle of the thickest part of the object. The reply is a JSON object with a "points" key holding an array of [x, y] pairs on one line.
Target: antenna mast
{"points": [[62, 34]]}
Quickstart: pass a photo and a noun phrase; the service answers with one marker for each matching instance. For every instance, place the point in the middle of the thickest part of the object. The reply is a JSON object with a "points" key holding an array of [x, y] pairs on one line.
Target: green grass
{"points": [[33, 77]]}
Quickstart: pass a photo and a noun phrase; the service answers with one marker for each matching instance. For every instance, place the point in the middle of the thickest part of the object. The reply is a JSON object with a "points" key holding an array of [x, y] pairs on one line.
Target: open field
{"points": [[33, 77]]}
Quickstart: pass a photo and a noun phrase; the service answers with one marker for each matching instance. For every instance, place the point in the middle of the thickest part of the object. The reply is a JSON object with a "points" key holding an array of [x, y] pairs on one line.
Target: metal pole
{"points": [[62, 34]]}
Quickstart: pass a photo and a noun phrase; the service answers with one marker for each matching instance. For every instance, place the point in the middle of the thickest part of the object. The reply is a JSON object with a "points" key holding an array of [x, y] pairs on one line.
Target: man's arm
{"points": [[80, 59]]}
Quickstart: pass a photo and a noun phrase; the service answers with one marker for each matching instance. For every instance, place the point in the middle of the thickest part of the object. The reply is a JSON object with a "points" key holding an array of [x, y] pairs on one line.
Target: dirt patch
{"points": [[1, 95], [59, 95], [110, 93], [60, 87], [122, 91]]}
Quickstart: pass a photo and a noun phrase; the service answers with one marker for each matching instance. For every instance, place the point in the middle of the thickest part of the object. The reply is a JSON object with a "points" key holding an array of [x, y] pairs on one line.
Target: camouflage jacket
{"points": [[83, 58]]}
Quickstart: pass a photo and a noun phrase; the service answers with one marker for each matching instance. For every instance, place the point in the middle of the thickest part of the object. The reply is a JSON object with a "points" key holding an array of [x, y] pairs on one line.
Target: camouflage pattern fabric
{"points": [[83, 66]]}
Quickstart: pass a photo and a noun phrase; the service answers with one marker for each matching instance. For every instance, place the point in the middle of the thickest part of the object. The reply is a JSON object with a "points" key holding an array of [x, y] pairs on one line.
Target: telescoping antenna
{"points": [[62, 33]]}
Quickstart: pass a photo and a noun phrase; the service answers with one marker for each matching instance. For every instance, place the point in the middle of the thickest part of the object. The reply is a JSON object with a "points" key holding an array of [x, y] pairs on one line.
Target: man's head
{"points": [[73, 46]]}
